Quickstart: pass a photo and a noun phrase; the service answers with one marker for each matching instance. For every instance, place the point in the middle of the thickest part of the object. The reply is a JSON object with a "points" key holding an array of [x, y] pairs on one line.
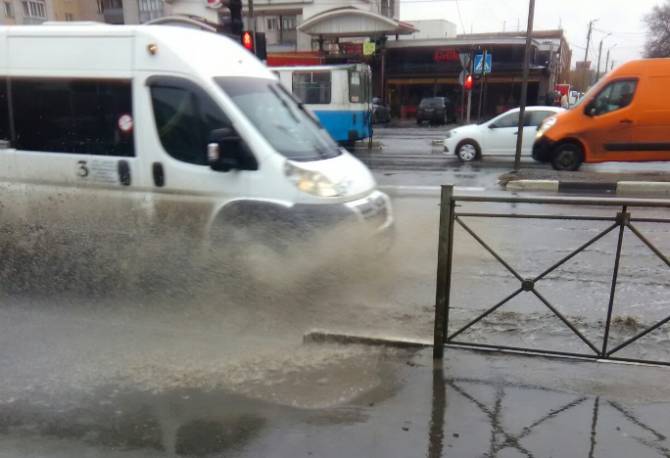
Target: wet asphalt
{"points": [[219, 374]]}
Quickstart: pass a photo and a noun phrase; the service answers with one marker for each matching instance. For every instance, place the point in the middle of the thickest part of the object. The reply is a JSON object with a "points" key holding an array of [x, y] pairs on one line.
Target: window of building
{"points": [[312, 87], [9, 9], [72, 116], [384, 9], [112, 4], [150, 9], [272, 23], [288, 22], [34, 9], [185, 117]]}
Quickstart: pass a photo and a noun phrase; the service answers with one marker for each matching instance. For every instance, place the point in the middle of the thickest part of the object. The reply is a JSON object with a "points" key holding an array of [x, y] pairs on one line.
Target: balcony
{"points": [[32, 20]]}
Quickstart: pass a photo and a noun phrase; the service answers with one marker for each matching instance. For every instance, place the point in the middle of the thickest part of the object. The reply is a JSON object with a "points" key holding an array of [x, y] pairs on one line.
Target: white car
{"points": [[498, 135]]}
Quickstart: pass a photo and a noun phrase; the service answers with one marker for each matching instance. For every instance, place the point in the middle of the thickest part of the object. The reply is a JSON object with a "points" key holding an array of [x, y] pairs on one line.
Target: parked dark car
{"points": [[381, 113], [435, 110]]}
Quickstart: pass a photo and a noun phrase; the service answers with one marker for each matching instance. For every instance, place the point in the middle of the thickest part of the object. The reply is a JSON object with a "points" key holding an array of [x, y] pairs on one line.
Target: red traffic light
{"points": [[467, 84], [248, 40]]}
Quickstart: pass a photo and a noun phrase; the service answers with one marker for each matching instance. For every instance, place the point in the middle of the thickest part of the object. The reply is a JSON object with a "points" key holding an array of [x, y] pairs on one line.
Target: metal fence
{"points": [[622, 221]]}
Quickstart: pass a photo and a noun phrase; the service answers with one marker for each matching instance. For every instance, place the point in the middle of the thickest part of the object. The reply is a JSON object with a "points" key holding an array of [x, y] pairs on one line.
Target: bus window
{"points": [[355, 87], [312, 88]]}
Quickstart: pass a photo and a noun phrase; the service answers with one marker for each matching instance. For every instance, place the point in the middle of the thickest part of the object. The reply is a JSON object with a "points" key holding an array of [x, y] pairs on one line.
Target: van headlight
{"points": [[312, 182], [545, 126]]}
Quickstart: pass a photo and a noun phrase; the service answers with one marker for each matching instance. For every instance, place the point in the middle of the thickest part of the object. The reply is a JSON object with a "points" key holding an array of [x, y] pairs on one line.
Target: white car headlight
{"points": [[545, 126], [312, 182]]}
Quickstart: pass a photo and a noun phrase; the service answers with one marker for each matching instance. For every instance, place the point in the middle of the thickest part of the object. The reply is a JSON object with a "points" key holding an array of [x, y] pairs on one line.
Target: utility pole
{"points": [[482, 79], [524, 86], [588, 41], [585, 78], [607, 60], [600, 52], [252, 23]]}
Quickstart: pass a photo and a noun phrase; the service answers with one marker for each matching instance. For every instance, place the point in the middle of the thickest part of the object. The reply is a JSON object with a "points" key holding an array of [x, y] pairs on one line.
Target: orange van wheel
{"points": [[567, 156]]}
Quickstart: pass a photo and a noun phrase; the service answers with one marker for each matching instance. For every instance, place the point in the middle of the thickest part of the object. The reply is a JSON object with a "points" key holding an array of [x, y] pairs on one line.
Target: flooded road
{"points": [[211, 367]]}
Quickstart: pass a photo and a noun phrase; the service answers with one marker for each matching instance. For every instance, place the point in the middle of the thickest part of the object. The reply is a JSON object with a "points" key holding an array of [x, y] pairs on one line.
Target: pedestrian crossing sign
{"points": [[488, 64]]}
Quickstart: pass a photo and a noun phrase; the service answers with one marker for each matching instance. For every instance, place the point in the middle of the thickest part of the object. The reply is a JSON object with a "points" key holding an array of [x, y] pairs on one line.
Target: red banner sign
{"points": [[352, 49], [445, 55]]}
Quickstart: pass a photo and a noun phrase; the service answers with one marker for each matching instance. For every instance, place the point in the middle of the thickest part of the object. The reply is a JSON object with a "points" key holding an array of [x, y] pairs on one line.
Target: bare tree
{"points": [[658, 34]]}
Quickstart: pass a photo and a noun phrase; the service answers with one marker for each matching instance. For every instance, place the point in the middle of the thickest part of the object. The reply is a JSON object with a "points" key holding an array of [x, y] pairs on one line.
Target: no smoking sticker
{"points": [[125, 123]]}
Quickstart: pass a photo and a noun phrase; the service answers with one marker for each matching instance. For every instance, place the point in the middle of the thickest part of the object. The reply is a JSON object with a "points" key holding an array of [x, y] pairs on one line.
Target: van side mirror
{"points": [[591, 110], [226, 151]]}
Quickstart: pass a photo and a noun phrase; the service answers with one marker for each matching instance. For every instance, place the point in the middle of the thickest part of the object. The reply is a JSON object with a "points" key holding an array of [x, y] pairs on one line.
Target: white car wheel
{"points": [[467, 152]]}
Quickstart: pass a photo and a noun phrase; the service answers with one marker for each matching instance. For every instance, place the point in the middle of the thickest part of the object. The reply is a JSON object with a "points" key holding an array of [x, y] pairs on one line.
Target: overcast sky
{"points": [[623, 18]]}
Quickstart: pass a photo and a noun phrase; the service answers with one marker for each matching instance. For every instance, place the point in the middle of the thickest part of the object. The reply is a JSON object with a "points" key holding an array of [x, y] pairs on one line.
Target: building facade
{"points": [[26, 12], [432, 67]]}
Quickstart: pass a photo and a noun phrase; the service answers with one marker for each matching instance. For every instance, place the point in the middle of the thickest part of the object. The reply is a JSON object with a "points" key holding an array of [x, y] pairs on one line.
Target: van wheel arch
{"points": [[252, 221], [568, 155]]}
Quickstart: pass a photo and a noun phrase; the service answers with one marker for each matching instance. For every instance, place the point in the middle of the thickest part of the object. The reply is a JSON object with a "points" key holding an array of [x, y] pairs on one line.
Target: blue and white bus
{"points": [[339, 95]]}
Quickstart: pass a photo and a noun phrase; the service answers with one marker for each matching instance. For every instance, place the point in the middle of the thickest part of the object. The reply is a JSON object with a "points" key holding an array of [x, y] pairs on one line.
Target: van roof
{"points": [[34, 50], [643, 67]]}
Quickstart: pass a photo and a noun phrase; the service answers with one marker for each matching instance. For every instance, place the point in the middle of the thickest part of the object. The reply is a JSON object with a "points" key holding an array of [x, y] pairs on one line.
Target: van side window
{"points": [[614, 96], [185, 117], [73, 116], [4, 112]]}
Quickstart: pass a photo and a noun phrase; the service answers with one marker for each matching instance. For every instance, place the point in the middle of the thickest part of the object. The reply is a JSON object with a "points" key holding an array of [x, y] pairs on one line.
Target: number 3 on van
{"points": [[82, 169]]}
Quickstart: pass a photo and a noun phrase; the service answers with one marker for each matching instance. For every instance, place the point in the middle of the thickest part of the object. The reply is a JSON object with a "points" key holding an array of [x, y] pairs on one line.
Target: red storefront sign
{"points": [[445, 55], [351, 49]]}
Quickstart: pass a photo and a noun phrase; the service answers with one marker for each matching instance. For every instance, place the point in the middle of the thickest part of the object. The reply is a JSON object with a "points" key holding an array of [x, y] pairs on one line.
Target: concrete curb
{"points": [[328, 337], [621, 187]]}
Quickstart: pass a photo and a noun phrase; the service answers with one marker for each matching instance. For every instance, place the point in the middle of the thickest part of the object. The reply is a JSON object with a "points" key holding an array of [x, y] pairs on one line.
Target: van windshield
{"points": [[284, 123]]}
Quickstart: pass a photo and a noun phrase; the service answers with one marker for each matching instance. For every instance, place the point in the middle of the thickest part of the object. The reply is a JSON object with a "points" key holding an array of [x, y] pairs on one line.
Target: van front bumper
{"points": [[371, 216], [543, 148]]}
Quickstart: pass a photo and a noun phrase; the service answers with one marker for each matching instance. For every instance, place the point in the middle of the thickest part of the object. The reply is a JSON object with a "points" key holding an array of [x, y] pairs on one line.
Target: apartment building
{"points": [[26, 12], [310, 25]]}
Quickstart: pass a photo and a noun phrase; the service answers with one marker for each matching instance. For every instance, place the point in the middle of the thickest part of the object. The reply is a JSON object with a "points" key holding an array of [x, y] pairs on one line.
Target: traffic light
{"points": [[261, 46], [467, 84], [247, 39], [232, 24]]}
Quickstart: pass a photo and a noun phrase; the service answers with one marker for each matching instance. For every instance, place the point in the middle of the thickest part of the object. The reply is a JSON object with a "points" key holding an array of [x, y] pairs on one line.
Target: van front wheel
{"points": [[567, 156]]}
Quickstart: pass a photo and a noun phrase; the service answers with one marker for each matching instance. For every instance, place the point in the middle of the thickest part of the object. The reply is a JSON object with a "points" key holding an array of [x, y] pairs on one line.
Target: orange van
{"points": [[625, 117]]}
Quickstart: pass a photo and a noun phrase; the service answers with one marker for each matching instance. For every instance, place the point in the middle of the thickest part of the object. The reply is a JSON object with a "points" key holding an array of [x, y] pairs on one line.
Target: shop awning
{"points": [[353, 22]]}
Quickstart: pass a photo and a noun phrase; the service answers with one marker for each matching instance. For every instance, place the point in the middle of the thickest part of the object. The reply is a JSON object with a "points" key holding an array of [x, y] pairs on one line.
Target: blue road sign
{"points": [[479, 58]]}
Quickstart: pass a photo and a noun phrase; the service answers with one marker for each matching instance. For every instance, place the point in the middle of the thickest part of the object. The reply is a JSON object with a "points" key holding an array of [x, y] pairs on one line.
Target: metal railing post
{"points": [[444, 258], [622, 220]]}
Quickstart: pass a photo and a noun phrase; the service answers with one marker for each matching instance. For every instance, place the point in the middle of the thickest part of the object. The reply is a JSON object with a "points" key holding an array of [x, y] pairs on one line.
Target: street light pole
{"points": [[524, 85], [607, 60], [600, 52]]}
